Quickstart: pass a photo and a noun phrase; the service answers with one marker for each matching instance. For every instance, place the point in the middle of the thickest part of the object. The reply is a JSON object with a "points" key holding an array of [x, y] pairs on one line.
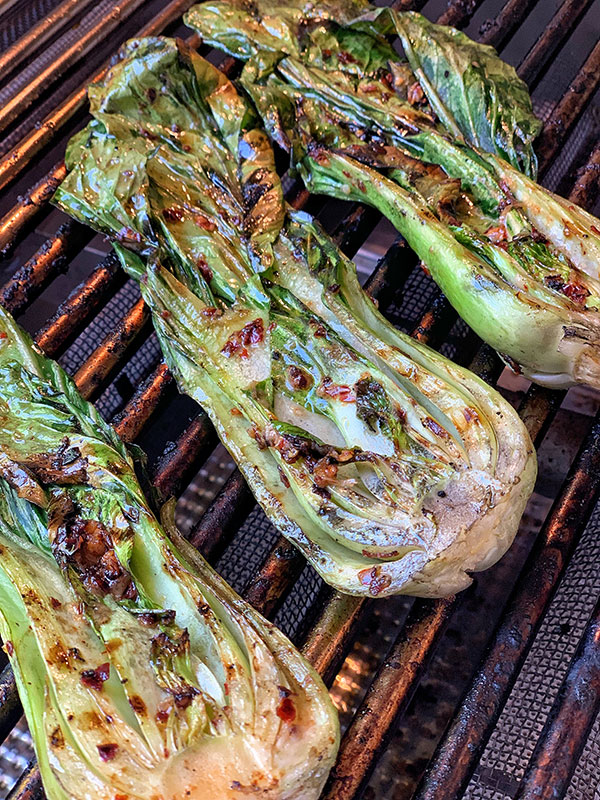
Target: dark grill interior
{"points": [[401, 670]]}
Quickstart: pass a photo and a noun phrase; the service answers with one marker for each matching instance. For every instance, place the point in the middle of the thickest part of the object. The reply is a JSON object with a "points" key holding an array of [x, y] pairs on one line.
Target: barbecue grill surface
{"points": [[512, 667]]}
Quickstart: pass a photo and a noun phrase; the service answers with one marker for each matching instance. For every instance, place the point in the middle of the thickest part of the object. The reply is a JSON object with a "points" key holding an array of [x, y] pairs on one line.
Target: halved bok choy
{"points": [[141, 673], [391, 468], [442, 143]]}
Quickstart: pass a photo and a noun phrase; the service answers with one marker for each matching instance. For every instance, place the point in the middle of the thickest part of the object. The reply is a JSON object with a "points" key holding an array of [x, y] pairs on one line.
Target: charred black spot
{"points": [[256, 185]]}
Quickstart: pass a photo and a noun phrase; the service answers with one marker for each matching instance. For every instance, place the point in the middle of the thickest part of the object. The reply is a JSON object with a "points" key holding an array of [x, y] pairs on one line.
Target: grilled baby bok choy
{"points": [[427, 141], [141, 673], [392, 469]]}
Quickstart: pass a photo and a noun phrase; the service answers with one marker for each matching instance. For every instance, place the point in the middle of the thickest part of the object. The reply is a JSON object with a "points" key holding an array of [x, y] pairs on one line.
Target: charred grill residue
{"points": [[64, 466], [86, 545]]}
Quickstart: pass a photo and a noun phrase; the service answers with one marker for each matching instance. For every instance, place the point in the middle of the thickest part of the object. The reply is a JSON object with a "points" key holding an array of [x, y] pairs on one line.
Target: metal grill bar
{"points": [[275, 578], [499, 30], [10, 705], [225, 515], [554, 35], [387, 698], [40, 33], [15, 161], [332, 632], [29, 785], [48, 263], [177, 466], [570, 108], [137, 412], [105, 361], [74, 313], [569, 723], [458, 14], [19, 220], [455, 760], [20, 102]]}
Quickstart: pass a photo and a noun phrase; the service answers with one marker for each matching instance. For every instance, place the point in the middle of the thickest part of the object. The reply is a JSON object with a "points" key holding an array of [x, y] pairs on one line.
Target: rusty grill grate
{"points": [[45, 102]]}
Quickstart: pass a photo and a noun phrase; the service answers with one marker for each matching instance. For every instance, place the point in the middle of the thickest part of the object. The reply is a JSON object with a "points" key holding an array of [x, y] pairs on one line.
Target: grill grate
{"points": [[332, 629]]}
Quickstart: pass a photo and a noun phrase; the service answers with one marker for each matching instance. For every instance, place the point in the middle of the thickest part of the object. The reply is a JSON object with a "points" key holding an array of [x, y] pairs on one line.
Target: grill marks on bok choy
{"points": [[441, 143], [391, 468], [141, 673]]}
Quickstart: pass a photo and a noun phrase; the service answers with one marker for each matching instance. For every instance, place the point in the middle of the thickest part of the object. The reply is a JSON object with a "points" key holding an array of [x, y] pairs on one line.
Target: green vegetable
{"points": [[425, 143], [386, 464], [141, 673], [478, 98]]}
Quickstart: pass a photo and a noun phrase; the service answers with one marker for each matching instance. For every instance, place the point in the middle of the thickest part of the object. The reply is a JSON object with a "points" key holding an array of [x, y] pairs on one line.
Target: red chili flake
{"points": [[362, 187], [346, 58], [204, 222], [205, 270], [94, 678], [211, 311], [325, 473], [286, 710], [121, 797], [336, 391], [415, 94], [9, 648], [435, 427], [321, 158], [346, 173], [137, 704], [174, 214], [284, 478], [496, 234], [165, 314], [107, 751], [3, 335], [298, 378], [235, 412], [55, 603], [251, 334], [320, 331], [256, 434], [595, 230], [373, 578], [388, 78], [326, 53], [162, 715], [576, 292]]}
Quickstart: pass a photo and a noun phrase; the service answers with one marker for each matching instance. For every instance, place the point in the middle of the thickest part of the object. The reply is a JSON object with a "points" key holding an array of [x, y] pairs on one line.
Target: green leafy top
{"points": [[475, 96]]}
